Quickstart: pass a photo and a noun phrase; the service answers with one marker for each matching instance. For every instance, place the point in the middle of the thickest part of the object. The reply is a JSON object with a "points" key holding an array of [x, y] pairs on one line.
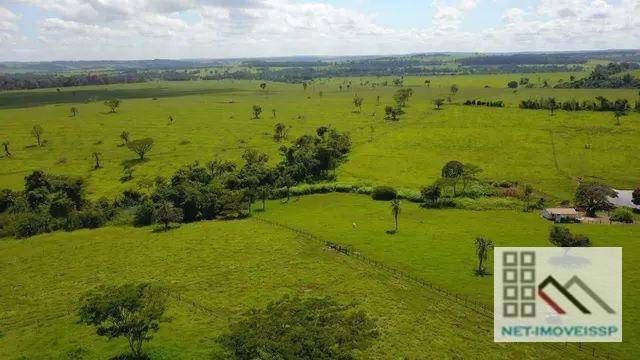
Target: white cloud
{"points": [[99, 29]]}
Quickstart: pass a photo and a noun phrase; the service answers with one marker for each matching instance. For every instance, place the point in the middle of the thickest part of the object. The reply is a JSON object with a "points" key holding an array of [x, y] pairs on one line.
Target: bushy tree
{"points": [[430, 194], [132, 311], [392, 113], [112, 104], [454, 89], [300, 328], [280, 132], [636, 196], [74, 111], [357, 102], [256, 110], [165, 213], [623, 215], [143, 215], [561, 236], [438, 102], [141, 147], [513, 84], [402, 96], [594, 197]]}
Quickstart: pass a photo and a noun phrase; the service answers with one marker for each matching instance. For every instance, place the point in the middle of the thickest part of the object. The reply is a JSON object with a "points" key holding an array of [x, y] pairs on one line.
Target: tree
{"points": [[74, 111], [112, 104], [552, 105], [594, 197], [141, 147], [280, 132], [132, 311], [5, 146], [527, 192], [97, 156], [395, 211], [263, 86], [37, 132], [483, 247], [620, 111], [430, 194], [300, 328], [622, 215], [264, 191], [304, 85], [513, 84], [357, 102], [438, 102], [428, 83], [453, 171], [124, 136], [636, 196], [402, 96], [454, 89], [257, 110], [561, 236], [165, 213], [392, 113]]}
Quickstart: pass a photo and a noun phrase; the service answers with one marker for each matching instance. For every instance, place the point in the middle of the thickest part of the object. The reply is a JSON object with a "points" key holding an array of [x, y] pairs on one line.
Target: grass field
{"points": [[226, 267], [213, 119], [437, 245]]}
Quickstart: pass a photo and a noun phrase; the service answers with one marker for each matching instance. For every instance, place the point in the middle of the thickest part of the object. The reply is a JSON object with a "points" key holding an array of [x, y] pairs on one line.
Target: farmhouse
{"points": [[558, 214]]}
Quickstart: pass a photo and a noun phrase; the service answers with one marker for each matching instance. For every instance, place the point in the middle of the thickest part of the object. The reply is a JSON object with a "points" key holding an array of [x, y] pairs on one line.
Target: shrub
{"points": [[92, 218], [384, 193], [144, 214], [295, 328], [562, 237], [32, 223], [7, 198], [623, 215]]}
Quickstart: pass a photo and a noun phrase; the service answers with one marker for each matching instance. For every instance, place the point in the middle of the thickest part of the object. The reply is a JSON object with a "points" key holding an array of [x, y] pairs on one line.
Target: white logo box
{"points": [[551, 294]]}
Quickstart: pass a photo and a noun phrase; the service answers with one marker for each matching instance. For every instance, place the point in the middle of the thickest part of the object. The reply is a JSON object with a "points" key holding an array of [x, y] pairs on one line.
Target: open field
{"points": [[213, 119], [225, 268], [437, 245]]}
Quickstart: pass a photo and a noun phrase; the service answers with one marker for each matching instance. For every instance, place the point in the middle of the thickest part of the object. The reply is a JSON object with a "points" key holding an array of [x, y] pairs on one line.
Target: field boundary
{"points": [[463, 300]]}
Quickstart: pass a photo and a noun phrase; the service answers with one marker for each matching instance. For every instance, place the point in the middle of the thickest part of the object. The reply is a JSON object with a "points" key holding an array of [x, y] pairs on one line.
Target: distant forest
{"points": [[20, 76]]}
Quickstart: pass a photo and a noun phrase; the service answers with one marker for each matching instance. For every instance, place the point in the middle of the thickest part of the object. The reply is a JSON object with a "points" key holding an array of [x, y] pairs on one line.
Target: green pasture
{"points": [[213, 119], [225, 268], [438, 245]]}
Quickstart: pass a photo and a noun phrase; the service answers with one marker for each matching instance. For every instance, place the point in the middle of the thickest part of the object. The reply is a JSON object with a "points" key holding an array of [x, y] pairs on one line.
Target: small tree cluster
{"points": [[561, 236]]}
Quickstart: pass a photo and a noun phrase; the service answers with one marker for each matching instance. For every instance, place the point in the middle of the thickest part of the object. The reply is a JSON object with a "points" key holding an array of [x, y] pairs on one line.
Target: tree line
{"points": [[218, 190]]}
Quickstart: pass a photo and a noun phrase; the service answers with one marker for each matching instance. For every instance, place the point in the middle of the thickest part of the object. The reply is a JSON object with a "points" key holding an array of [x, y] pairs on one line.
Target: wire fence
{"points": [[462, 300]]}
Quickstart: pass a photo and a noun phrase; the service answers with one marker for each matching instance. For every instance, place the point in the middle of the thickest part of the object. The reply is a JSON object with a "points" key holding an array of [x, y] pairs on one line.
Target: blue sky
{"points": [[136, 29]]}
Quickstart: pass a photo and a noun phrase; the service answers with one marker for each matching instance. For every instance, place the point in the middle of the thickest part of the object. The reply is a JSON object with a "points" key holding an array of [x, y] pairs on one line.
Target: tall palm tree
{"points": [[483, 247], [395, 211]]}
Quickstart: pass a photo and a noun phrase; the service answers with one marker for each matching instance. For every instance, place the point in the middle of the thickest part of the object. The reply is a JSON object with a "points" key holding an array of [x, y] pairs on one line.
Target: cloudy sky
{"points": [[147, 29]]}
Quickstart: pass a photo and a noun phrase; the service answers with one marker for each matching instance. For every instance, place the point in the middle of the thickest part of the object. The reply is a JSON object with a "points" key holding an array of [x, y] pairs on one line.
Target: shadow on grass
{"points": [[133, 162], [164, 229], [22, 98]]}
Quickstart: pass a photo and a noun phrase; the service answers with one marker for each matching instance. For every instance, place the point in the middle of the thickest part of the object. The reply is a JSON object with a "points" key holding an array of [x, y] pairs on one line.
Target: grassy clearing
{"points": [[437, 245], [226, 267], [213, 119]]}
